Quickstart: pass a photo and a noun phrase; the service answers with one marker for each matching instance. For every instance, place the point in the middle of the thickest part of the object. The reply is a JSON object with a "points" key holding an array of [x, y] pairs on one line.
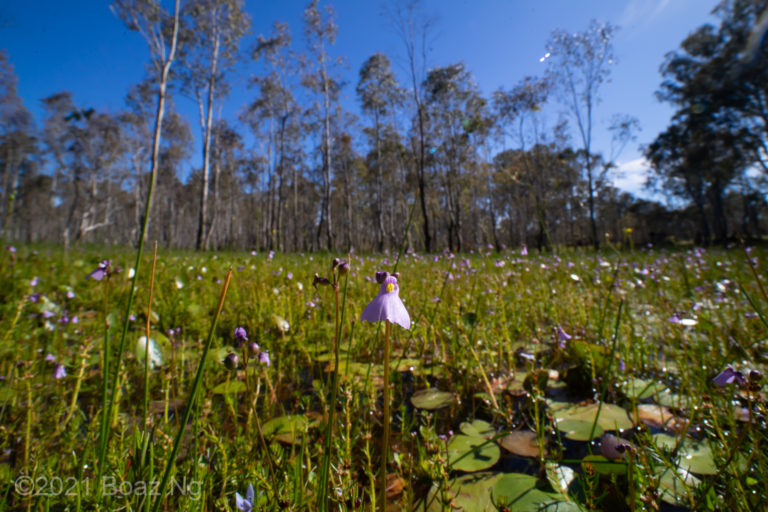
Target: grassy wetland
{"points": [[623, 380]]}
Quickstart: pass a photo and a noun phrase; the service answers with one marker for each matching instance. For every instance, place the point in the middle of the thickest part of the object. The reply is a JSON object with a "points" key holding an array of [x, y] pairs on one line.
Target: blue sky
{"points": [[83, 48]]}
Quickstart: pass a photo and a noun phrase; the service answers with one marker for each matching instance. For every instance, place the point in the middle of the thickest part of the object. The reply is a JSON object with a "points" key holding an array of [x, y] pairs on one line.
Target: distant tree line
{"points": [[297, 172]]}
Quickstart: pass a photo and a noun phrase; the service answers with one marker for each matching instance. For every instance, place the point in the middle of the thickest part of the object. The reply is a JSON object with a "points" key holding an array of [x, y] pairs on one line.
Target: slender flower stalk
{"points": [[146, 352], [191, 401], [337, 269], [388, 308]]}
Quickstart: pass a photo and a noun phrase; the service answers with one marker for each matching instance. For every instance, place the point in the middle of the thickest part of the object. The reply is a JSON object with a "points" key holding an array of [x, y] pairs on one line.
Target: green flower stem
{"points": [[192, 396], [385, 436]]}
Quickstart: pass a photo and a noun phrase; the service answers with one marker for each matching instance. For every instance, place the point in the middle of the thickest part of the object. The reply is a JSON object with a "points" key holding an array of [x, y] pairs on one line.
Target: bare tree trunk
{"points": [[202, 238]]}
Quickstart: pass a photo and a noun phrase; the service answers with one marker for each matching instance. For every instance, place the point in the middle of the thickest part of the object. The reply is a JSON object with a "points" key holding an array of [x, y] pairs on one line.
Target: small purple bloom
{"points": [[524, 251], [34, 297], [70, 294], [289, 275], [50, 358], [47, 314], [271, 255], [245, 504], [729, 375], [562, 336], [674, 319], [240, 335], [59, 372], [11, 248], [101, 271], [387, 305], [74, 320], [264, 358], [33, 282]]}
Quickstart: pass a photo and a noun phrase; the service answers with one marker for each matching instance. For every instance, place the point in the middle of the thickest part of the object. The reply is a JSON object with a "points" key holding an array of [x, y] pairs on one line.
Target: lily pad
{"points": [[640, 389], [480, 428], [579, 430], [695, 457], [521, 442], [432, 399], [604, 465], [519, 492], [472, 453], [470, 493], [612, 417], [560, 477], [676, 485], [657, 416], [286, 429], [232, 386]]}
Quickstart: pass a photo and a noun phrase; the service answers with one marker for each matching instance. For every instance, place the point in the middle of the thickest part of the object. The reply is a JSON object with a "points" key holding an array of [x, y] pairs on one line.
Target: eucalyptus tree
{"points": [[519, 115], [18, 145], [160, 29], [414, 28], [318, 78], [722, 71], [212, 33], [578, 65], [275, 116], [379, 95], [455, 110]]}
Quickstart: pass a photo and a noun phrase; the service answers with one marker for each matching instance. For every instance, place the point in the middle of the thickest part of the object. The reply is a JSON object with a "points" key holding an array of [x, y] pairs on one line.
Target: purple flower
{"points": [[70, 294], [524, 251], [59, 372], [240, 335], [562, 336], [269, 257], [729, 375], [245, 504], [387, 305], [11, 248], [50, 358], [33, 282], [34, 297], [264, 358], [231, 361], [101, 271], [674, 319]]}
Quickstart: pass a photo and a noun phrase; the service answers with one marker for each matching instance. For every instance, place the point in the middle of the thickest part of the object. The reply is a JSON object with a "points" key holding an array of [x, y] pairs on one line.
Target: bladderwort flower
{"points": [[245, 504], [101, 271], [240, 336], [562, 336], [728, 376], [232, 362], [387, 305], [59, 372], [264, 358]]}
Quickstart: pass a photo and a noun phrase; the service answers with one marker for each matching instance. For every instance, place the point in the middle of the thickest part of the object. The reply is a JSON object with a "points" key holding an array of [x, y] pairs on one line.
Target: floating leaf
{"points": [[286, 429], [480, 428], [612, 417], [232, 386], [676, 485], [657, 416], [560, 477], [472, 453], [432, 399], [604, 465], [640, 389], [579, 430], [521, 442], [518, 492], [695, 457], [470, 493]]}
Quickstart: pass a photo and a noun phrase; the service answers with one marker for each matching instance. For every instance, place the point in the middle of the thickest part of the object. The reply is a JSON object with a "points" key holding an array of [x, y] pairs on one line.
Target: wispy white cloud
{"points": [[631, 175], [641, 12]]}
